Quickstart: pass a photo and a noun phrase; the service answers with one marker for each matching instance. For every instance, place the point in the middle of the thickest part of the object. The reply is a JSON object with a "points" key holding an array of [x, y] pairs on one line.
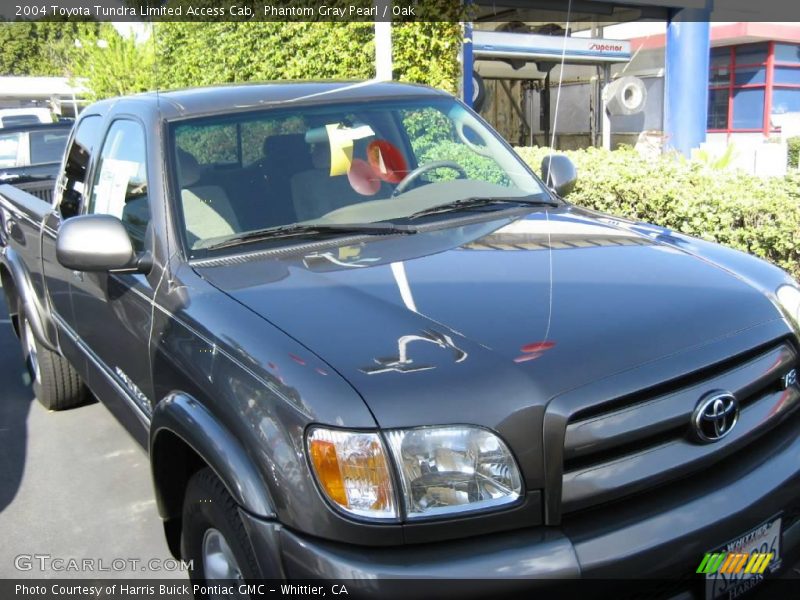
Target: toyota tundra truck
{"points": [[361, 340]]}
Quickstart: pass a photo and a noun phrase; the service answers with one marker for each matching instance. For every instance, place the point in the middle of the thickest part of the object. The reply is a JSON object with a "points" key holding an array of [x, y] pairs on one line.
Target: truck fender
{"points": [[180, 416], [34, 309]]}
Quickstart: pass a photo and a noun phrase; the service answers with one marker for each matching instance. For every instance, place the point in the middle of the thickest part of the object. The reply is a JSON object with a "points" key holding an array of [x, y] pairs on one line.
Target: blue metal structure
{"points": [[686, 79], [686, 70]]}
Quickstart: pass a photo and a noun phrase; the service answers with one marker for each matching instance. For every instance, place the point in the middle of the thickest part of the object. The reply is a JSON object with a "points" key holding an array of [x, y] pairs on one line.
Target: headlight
{"points": [[789, 298], [442, 470], [445, 470], [353, 472]]}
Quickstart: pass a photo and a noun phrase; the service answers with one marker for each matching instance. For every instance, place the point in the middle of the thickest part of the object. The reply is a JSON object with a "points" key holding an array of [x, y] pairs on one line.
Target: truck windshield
{"points": [[354, 163]]}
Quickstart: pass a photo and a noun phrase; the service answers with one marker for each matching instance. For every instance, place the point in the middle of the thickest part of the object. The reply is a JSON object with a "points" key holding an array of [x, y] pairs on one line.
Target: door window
{"points": [[10, 147], [72, 182], [120, 181]]}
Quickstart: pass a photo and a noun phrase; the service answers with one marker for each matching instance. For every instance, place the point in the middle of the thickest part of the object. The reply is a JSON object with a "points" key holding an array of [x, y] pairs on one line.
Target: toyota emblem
{"points": [[715, 416]]}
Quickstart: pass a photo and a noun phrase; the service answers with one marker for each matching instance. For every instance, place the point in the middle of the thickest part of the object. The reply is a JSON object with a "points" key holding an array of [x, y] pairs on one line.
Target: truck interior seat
{"points": [[316, 193], [207, 211], [283, 157]]}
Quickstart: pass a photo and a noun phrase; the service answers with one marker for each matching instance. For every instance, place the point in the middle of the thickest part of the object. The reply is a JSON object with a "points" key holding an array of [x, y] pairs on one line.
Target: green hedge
{"points": [[793, 154], [192, 54], [759, 216]]}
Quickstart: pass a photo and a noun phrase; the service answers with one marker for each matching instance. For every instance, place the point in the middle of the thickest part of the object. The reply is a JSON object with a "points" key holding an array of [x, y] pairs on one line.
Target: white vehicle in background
{"points": [[10, 117]]}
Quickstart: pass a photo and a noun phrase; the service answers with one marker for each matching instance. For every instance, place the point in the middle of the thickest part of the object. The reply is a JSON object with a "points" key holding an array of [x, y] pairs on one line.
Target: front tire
{"points": [[55, 383], [213, 537]]}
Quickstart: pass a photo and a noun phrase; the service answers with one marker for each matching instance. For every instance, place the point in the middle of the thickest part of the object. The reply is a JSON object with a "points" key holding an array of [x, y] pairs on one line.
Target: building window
{"points": [[786, 82], [748, 109], [751, 85]]}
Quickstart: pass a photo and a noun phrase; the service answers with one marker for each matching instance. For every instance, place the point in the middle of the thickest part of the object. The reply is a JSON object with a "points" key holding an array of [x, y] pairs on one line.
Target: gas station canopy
{"points": [[537, 47]]}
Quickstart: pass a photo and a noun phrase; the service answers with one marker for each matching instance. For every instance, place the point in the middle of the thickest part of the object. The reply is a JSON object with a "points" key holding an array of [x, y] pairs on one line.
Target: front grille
{"points": [[643, 441]]}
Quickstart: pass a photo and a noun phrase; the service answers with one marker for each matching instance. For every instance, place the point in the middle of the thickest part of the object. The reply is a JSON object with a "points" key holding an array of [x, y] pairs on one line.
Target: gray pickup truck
{"points": [[30, 156], [361, 340]]}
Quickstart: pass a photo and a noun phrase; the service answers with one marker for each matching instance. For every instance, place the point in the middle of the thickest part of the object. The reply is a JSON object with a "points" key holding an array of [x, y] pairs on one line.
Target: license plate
{"points": [[764, 539]]}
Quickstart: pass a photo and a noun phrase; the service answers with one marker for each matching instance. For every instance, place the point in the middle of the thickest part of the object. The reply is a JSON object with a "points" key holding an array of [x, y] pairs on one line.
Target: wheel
{"points": [[213, 537], [479, 97], [55, 383]]}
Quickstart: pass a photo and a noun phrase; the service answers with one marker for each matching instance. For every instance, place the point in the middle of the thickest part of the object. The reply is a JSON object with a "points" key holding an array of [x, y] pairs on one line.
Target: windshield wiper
{"points": [[295, 230], [476, 201]]}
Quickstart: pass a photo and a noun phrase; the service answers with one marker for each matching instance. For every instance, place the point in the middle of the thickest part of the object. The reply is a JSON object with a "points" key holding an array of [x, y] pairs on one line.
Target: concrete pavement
{"points": [[73, 484]]}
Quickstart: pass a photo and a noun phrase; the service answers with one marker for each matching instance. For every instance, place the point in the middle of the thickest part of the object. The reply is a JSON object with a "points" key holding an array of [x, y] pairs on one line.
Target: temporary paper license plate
{"points": [[764, 539]]}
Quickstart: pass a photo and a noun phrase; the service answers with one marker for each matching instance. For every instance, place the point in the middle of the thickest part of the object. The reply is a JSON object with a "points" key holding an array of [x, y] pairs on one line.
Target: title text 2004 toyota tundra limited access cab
{"points": [[361, 339]]}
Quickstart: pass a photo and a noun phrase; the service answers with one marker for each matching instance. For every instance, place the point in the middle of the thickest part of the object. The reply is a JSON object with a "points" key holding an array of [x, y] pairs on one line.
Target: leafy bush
{"points": [[43, 47], [118, 66], [759, 216], [793, 154], [189, 54], [476, 166], [192, 54]]}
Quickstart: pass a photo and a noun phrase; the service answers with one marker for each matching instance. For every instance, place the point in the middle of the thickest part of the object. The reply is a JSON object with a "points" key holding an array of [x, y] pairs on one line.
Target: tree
{"points": [[205, 53], [224, 52], [41, 47], [112, 65]]}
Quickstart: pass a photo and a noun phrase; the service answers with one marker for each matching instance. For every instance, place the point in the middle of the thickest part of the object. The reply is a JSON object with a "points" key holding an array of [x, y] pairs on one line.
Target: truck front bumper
{"points": [[661, 535]]}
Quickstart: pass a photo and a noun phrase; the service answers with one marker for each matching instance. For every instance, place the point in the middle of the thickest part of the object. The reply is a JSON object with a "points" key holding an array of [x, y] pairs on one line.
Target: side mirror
{"points": [[97, 243], [559, 174]]}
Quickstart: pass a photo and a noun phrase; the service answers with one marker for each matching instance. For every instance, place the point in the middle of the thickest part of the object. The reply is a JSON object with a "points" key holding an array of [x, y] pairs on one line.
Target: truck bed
{"points": [[29, 203]]}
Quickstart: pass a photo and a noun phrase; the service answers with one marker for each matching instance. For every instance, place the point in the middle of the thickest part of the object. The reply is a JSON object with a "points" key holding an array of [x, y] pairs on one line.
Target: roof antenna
{"points": [[549, 170], [155, 63], [560, 76]]}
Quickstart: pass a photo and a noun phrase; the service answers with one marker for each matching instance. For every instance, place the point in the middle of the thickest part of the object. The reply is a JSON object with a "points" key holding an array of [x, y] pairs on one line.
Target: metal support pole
{"points": [[383, 51], [507, 89], [603, 107], [544, 109], [383, 45], [686, 80], [467, 66]]}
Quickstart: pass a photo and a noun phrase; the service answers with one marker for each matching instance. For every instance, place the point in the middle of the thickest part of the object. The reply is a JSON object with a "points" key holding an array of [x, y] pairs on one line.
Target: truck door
{"points": [[69, 196], [113, 311]]}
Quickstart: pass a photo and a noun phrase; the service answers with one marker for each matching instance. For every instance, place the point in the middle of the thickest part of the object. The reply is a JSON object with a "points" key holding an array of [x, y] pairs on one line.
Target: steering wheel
{"points": [[431, 166]]}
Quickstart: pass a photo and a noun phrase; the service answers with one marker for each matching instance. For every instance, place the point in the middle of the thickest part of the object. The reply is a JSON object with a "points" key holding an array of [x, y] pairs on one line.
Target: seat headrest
{"points": [[188, 169], [321, 156], [286, 149]]}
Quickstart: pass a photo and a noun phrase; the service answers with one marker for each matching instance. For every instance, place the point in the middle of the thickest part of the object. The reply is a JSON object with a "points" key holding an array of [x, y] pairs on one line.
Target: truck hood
{"points": [[484, 322]]}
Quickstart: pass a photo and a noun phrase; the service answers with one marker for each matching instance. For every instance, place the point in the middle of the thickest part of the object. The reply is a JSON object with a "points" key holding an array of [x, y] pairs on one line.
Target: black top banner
{"points": [[536, 11]]}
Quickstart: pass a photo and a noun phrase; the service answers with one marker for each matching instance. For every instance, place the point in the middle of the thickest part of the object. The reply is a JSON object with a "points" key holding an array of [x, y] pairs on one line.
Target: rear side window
{"points": [[10, 149], [48, 146], [214, 145], [71, 185], [234, 144], [120, 181], [14, 120]]}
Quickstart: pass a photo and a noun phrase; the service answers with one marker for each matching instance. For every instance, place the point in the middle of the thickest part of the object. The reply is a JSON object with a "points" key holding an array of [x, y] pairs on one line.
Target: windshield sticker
{"points": [[340, 140], [341, 146]]}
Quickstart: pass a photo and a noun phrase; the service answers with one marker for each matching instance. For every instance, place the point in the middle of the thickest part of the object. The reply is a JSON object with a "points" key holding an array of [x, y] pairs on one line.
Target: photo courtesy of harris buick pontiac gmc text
{"points": [[362, 342]]}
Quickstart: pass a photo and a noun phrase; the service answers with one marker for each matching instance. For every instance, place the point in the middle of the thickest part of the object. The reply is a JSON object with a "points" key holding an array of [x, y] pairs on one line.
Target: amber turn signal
{"points": [[352, 471]]}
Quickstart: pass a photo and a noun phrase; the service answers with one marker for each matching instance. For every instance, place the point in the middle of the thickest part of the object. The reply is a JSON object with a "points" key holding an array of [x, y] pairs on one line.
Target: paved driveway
{"points": [[73, 484]]}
